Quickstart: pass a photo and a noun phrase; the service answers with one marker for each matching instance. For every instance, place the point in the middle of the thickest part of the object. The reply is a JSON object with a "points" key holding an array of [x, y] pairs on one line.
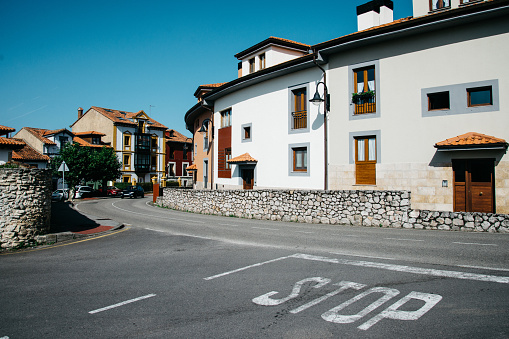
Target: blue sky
{"points": [[56, 56]]}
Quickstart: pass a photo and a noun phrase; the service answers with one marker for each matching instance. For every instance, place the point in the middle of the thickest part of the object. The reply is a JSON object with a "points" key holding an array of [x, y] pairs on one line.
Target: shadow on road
{"points": [[64, 218]]}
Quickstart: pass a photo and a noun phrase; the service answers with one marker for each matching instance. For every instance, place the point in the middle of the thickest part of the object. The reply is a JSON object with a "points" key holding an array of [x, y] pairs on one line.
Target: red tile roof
{"points": [[471, 139], [193, 167], [83, 142], [126, 118], [5, 130], [27, 153], [177, 137], [89, 133], [39, 133], [242, 158], [11, 143]]}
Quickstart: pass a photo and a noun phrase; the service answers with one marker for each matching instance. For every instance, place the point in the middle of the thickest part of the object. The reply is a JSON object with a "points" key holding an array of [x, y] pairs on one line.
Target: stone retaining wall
{"points": [[25, 205], [358, 208]]}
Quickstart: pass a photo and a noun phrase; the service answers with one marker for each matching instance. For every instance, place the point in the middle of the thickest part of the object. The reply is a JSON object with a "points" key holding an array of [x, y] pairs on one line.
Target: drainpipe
{"points": [[325, 142], [212, 147]]}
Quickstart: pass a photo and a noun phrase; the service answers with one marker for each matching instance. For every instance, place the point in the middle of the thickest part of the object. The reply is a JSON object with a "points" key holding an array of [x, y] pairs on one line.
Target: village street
{"points": [[171, 274]]}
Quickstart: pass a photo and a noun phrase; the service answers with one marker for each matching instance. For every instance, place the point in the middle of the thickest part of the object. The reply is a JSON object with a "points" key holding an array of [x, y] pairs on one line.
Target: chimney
{"points": [[80, 112], [374, 13]]}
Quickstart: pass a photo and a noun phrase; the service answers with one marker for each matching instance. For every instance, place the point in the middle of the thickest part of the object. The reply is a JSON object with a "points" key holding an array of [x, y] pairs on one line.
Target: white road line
{"points": [[305, 232], [401, 239], [473, 243], [485, 268], [245, 268], [153, 216], [408, 269], [266, 228], [122, 303], [151, 229], [362, 256], [229, 225]]}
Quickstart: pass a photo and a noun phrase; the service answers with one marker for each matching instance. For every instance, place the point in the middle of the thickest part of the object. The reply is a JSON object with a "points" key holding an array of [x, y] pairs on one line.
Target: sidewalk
{"points": [[67, 223]]}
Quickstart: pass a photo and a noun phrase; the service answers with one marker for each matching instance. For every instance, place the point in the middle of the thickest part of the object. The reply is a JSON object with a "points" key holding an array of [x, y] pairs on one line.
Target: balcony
{"points": [[365, 102], [300, 119], [142, 163], [142, 143]]}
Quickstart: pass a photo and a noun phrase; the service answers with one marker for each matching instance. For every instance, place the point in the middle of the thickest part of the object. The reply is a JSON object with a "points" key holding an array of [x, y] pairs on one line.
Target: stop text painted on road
{"points": [[333, 315]]}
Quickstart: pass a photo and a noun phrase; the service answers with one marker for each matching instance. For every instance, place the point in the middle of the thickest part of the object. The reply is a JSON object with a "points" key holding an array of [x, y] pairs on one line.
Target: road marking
{"points": [[473, 243], [305, 232], [362, 256], [245, 268], [383, 266], [229, 225], [408, 269], [402, 239], [485, 268], [67, 244], [153, 216], [151, 229], [266, 228], [122, 303]]}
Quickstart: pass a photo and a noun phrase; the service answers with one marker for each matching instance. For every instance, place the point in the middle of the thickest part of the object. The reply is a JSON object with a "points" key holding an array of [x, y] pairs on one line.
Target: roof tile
{"points": [[246, 157], [471, 139]]}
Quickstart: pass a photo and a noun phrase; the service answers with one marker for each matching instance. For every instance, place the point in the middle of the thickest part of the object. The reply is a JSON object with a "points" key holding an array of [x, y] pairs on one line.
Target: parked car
{"points": [[60, 194], [113, 191], [82, 192], [133, 192]]}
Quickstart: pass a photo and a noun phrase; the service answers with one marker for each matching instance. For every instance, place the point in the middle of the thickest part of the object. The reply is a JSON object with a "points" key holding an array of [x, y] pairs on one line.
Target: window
{"points": [[184, 171], [480, 96], [299, 109], [154, 143], [300, 159], [364, 91], [126, 178], [96, 140], [247, 132], [439, 100], [141, 126], [63, 141], [251, 65], [171, 169], [226, 118], [205, 141], [262, 61], [172, 152], [127, 161], [438, 4], [127, 141], [154, 163], [365, 160], [227, 156], [184, 152]]}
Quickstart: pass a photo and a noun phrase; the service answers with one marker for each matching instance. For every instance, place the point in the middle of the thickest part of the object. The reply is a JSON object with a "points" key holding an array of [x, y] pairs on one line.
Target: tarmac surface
{"points": [[67, 220]]}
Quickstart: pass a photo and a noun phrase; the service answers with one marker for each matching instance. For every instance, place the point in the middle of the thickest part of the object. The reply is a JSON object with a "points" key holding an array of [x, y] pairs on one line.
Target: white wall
{"points": [[266, 107]]}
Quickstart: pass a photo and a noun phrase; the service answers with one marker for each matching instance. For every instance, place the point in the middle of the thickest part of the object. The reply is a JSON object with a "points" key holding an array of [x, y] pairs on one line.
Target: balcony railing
{"points": [[300, 119], [364, 103]]}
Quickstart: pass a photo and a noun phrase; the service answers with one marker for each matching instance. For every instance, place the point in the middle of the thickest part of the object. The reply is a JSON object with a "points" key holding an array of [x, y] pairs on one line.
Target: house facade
{"points": [[179, 154], [413, 106], [137, 139], [44, 141]]}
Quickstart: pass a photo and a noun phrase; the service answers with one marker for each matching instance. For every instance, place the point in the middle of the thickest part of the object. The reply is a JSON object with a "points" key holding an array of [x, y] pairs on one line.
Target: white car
{"points": [[82, 192], [60, 194]]}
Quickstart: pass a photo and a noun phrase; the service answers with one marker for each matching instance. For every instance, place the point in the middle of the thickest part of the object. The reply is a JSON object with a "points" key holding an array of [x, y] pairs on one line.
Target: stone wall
{"points": [[359, 208], [25, 205]]}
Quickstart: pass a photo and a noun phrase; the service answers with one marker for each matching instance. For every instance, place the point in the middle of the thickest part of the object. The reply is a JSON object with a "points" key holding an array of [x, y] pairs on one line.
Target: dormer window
{"points": [[262, 60], [439, 4], [251, 65]]}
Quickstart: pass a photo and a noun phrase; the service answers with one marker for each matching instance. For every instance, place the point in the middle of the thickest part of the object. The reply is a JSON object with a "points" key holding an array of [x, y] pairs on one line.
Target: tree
{"points": [[87, 164]]}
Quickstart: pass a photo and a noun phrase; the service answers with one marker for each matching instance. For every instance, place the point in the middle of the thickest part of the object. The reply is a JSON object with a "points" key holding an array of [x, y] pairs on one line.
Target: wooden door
{"points": [[474, 189], [248, 179]]}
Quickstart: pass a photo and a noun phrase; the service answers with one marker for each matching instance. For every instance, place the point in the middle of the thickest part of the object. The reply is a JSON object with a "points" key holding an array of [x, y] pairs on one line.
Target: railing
{"points": [[300, 119], [365, 105]]}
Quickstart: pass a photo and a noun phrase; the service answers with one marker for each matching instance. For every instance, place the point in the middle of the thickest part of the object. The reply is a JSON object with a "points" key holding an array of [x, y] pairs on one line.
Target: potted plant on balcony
{"points": [[362, 97]]}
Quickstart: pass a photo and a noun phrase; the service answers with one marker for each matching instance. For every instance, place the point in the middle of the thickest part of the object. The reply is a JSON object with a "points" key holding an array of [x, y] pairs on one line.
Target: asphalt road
{"points": [[180, 275]]}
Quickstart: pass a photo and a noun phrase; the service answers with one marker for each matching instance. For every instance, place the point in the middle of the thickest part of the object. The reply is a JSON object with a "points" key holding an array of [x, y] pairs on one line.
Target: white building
{"points": [[415, 104]]}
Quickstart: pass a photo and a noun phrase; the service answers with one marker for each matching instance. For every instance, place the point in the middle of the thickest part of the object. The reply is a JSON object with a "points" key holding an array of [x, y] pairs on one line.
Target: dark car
{"points": [[133, 192]]}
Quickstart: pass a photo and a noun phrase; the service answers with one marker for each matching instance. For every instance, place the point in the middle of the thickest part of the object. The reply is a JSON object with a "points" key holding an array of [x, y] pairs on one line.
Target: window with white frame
{"points": [[439, 4], [226, 118]]}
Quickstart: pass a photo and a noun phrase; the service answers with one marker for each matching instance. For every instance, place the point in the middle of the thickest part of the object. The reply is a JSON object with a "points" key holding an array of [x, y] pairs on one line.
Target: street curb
{"points": [[53, 238]]}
